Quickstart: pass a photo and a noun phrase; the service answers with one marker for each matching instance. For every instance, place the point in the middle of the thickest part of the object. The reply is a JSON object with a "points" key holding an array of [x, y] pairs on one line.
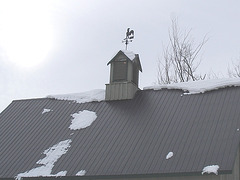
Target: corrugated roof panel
{"points": [[224, 114], [145, 141], [164, 131], [128, 136], [205, 127], [183, 136]]}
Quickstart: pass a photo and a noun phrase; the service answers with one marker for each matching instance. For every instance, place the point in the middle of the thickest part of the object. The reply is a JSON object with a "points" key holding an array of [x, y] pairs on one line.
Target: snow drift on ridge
{"points": [[192, 87], [89, 96], [129, 54], [195, 87]]}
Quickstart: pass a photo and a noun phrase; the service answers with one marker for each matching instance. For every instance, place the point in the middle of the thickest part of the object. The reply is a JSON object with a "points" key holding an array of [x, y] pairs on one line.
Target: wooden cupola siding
{"points": [[124, 77]]}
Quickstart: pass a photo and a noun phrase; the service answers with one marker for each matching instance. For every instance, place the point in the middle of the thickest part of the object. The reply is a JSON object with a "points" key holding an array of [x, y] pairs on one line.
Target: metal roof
{"points": [[129, 137]]}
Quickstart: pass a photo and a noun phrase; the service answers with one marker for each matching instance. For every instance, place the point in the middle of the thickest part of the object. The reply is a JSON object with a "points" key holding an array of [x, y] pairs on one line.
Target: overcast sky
{"points": [[63, 46]]}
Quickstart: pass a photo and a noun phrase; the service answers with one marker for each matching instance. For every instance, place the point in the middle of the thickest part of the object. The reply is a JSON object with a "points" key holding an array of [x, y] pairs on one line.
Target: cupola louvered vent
{"points": [[124, 75]]}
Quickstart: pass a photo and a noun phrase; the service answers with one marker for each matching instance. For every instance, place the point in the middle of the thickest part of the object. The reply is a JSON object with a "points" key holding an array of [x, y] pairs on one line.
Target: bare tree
{"points": [[234, 69], [180, 58]]}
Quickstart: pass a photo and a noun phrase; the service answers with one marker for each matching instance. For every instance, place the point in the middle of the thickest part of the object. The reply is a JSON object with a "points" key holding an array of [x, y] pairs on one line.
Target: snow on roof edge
{"points": [[89, 96], [193, 87], [129, 54], [201, 86], [211, 169]]}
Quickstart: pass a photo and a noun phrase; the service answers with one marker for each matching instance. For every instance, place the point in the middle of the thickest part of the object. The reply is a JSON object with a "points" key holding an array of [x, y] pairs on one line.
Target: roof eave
{"points": [[125, 176]]}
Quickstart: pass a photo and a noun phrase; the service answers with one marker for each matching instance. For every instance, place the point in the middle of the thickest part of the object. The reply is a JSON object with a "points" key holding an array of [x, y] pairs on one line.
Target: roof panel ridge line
{"points": [[21, 125], [213, 98], [125, 135], [235, 115], [216, 125], [5, 115], [109, 158], [203, 143], [97, 110], [37, 114], [197, 112], [236, 110], [70, 109], [35, 148], [96, 136], [228, 111], [149, 163], [185, 134], [141, 140], [167, 125], [183, 111]]}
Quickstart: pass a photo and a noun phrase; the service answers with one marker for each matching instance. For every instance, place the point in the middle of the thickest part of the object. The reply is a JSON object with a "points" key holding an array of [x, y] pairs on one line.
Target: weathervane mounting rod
{"points": [[129, 37]]}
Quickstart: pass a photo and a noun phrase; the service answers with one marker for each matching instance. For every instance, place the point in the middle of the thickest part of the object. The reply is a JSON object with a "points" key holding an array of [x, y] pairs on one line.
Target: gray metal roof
{"points": [[129, 137]]}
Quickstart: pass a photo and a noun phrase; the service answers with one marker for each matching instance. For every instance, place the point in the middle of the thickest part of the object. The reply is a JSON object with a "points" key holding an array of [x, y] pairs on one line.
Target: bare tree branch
{"points": [[180, 57], [234, 70]]}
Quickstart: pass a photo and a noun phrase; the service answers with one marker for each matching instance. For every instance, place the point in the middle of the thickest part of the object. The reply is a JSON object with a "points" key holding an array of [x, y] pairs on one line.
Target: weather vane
{"points": [[129, 37]]}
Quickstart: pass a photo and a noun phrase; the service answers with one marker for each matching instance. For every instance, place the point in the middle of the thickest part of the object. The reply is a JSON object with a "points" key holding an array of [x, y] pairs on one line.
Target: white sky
{"points": [[63, 46]]}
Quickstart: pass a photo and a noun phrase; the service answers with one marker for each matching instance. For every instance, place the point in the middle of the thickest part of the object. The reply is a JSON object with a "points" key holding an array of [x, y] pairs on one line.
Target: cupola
{"points": [[124, 76]]}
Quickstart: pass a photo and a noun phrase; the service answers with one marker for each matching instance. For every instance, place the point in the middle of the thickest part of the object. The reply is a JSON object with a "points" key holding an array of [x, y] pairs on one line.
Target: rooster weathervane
{"points": [[129, 37]]}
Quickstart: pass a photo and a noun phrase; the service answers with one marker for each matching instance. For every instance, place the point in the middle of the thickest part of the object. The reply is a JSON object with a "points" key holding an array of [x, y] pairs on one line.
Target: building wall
{"points": [[235, 174]]}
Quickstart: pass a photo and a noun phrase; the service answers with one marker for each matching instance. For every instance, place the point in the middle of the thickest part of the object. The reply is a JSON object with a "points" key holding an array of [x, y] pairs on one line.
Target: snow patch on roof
{"points": [[129, 54], [46, 111], [169, 155], [52, 155], [211, 169], [81, 173], [89, 96], [195, 87], [82, 119]]}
